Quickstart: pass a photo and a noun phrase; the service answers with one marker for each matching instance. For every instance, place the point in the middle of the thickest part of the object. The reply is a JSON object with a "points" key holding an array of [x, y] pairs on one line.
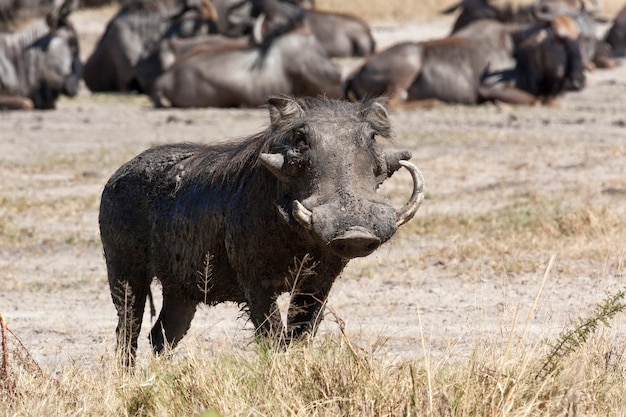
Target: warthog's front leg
{"points": [[265, 315], [308, 298]]}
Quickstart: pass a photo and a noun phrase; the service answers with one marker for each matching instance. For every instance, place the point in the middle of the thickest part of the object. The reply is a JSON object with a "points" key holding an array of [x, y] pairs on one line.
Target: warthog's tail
{"points": [[152, 309]]}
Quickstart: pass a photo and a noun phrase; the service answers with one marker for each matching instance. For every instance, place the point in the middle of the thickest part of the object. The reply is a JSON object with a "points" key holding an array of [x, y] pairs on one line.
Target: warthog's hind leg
{"points": [[130, 300], [173, 322]]}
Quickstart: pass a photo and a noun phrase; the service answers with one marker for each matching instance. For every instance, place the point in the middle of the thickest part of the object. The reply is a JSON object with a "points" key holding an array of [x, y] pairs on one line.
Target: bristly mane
{"points": [[233, 162], [230, 162]]}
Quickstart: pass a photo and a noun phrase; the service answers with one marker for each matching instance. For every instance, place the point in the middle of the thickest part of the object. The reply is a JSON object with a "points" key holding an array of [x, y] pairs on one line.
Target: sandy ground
{"points": [[53, 165]]}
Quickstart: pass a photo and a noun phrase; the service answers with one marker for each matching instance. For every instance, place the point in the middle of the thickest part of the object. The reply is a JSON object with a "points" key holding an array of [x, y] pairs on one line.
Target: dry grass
{"points": [[331, 376], [509, 239]]}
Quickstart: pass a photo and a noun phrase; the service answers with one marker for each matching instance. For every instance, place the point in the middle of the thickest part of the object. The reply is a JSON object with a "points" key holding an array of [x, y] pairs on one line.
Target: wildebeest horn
{"points": [[257, 30], [541, 12], [594, 9], [302, 215], [415, 201]]}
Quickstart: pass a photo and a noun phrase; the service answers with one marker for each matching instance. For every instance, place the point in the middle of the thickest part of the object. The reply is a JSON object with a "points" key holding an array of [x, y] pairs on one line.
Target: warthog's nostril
{"points": [[355, 242], [372, 246]]}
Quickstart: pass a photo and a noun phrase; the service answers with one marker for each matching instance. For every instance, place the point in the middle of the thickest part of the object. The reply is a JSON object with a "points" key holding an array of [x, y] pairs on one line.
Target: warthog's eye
{"points": [[300, 139]]}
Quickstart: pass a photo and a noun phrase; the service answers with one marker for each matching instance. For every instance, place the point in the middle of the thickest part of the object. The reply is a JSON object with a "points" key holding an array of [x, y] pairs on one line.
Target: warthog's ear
{"points": [[376, 114], [284, 109]]}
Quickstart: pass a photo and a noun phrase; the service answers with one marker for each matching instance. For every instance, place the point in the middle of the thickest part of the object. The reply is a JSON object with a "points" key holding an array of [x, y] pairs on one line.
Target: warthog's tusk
{"points": [[415, 201], [302, 215], [272, 161]]}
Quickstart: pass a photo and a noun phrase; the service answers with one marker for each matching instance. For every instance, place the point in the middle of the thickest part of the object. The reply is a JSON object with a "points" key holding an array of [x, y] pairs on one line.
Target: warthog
{"points": [[249, 212], [40, 62], [233, 75], [461, 68]]}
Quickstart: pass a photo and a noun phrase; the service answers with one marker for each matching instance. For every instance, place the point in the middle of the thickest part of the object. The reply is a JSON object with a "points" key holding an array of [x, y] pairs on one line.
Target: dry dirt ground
{"points": [[53, 165]]}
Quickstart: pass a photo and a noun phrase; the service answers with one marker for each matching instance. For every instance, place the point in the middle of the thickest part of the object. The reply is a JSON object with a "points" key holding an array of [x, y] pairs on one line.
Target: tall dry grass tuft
{"points": [[16, 361]]}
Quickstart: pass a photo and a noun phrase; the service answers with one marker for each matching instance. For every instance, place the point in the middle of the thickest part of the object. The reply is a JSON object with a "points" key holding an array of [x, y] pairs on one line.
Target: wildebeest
{"points": [[250, 212], [459, 68], [594, 51], [340, 34], [231, 76], [616, 35], [40, 62], [149, 68], [278, 17], [473, 10], [132, 34], [546, 66]]}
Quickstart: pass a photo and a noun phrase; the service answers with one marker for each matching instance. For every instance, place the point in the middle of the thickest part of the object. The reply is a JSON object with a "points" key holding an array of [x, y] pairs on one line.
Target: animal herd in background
{"points": [[231, 53]]}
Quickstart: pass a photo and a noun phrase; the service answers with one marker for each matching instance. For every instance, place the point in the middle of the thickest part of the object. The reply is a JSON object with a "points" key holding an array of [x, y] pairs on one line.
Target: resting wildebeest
{"points": [[340, 34], [595, 52], [133, 33], [461, 68], [473, 10], [305, 188], [231, 75], [279, 18], [40, 62], [616, 35]]}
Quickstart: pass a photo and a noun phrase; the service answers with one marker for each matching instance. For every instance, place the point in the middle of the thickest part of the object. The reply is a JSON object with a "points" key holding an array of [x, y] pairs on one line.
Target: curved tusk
{"points": [[302, 214], [417, 197]]}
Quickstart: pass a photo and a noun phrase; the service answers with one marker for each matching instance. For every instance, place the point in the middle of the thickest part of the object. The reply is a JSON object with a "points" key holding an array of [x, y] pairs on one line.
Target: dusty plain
{"points": [[508, 188]]}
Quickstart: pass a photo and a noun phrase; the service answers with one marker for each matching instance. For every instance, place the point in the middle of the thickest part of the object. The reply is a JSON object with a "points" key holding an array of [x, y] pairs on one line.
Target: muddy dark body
{"points": [[40, 63], [305, 187]]}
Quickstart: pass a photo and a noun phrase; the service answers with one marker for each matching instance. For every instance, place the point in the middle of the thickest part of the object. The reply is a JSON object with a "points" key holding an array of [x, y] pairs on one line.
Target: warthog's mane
{"points": [[233, 162]]}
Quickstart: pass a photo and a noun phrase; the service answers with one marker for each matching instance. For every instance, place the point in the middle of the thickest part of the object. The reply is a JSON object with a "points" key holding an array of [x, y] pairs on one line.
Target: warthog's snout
{"points": [[355, 242]]}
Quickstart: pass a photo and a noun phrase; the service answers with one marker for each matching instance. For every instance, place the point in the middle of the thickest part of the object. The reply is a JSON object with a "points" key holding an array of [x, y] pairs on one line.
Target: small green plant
{"points": [[572, 339]]}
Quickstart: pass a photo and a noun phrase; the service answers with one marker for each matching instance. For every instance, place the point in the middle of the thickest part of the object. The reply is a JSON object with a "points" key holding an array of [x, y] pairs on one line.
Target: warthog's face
{"points": [[330, 160]]}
